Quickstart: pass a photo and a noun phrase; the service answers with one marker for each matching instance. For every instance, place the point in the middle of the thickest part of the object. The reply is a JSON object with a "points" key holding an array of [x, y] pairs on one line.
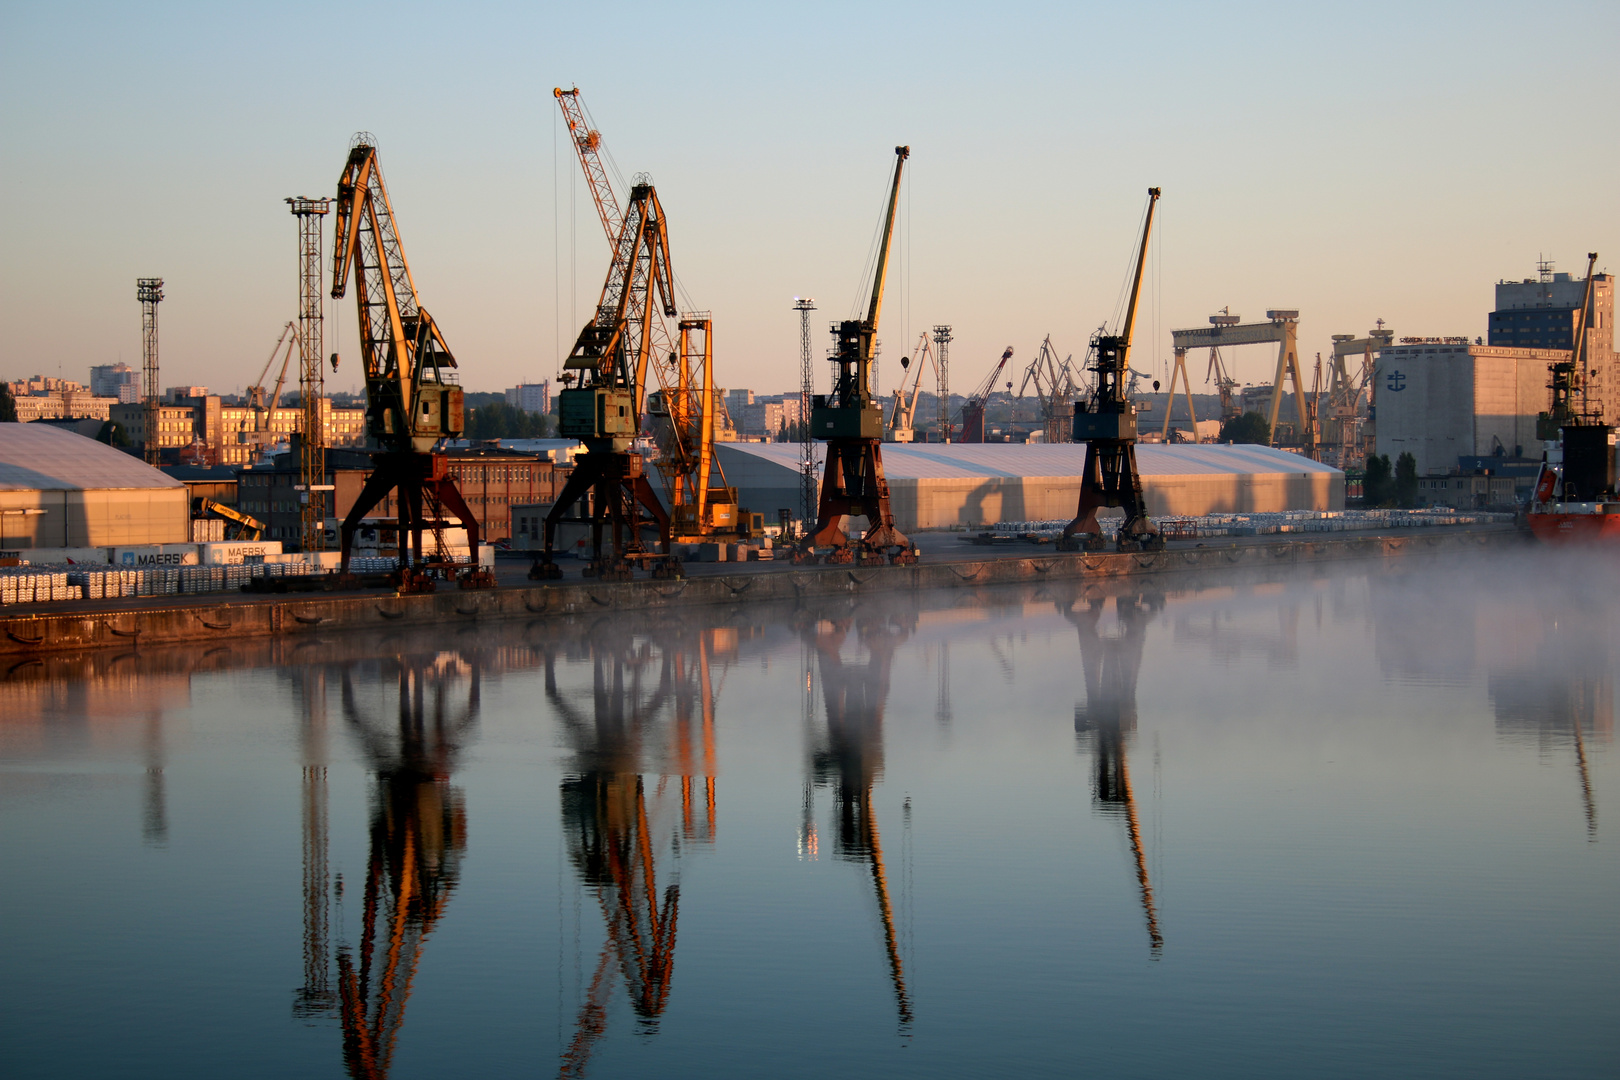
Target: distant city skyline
{"points": [[1391, 161]]}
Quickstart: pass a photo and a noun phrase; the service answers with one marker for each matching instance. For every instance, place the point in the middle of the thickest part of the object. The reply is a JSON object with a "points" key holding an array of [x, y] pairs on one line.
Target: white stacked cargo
{"points": [[372, 564], [207, 530]]}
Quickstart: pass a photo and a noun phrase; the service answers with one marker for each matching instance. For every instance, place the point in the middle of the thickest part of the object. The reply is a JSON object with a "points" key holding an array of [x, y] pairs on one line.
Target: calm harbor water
{"points": [[1358, 822]]}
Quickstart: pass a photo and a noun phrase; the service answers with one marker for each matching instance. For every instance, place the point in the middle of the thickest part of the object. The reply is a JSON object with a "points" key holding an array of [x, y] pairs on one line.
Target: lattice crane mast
{"points": [[850, 421], [1107, 425], [412, 396]]}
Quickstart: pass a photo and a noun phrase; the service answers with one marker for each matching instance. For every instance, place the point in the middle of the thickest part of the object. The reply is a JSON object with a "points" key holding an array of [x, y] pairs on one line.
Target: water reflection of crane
{"points": [[315, 997], [615, 835], [850, 758], [410, 734], [1111, 663]]}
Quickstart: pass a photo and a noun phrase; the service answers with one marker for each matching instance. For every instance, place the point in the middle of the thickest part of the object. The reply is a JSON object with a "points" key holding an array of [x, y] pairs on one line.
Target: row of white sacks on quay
{"points": [[1292, 521], [38, 584], [43, 584]]}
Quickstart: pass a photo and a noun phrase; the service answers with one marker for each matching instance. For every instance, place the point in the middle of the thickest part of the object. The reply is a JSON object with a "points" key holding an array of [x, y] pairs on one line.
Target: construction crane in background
{"points": [[850, 758], [973, 408], [410, 734], [264, 405], [682, 411], [413, 399], [1056, 389], [1107, 425], [850, 422], [903, 411], [1107, 719]]}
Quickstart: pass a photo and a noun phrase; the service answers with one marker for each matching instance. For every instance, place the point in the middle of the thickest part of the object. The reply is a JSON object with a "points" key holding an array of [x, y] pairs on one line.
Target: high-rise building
{"points": [[530, 397], [1540, 313], [118, 381]]}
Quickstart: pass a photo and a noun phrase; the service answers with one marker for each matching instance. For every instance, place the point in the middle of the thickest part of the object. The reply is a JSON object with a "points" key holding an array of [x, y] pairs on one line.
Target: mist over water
{"points": [[1351, 822]]}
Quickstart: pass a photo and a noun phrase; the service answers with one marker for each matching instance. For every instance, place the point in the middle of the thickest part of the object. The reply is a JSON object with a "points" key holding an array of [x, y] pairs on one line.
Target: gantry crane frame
{"points": [[1282, 328]]}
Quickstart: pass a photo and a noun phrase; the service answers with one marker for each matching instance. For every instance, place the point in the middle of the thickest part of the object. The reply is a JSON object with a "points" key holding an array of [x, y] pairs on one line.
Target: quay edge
{"points": [[164, 622]]}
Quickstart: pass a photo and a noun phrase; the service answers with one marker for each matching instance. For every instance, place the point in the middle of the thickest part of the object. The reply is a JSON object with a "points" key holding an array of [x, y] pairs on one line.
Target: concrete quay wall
{"points": [[163, 622]]}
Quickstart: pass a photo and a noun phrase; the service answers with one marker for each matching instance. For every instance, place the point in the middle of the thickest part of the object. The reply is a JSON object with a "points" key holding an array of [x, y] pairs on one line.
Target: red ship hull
{"points": [[1555, 527]]}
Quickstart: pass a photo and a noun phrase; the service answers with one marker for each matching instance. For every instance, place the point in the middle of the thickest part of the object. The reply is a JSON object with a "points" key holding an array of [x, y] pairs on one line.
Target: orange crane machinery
{"points": [[850, 761], [1107, 425], [264, 406], [973, 408], [412, 396], [248, 527], [418, 837], [850, 422], [682, 410], [904, 409], [1055, 390], [1111, 664]]}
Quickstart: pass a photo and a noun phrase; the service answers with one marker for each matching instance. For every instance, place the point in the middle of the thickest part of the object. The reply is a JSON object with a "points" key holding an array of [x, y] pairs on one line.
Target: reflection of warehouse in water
{"points": [[934, 486]]}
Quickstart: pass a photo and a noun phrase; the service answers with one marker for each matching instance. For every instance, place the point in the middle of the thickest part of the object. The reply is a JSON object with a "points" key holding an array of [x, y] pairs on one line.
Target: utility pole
{"points": [[311, 381], [942, 352], [149, 291], [807, 386]]}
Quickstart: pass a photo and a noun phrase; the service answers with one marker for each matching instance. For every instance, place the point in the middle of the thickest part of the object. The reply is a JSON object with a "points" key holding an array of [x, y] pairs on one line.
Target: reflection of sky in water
{"points": [[1341, 825]]}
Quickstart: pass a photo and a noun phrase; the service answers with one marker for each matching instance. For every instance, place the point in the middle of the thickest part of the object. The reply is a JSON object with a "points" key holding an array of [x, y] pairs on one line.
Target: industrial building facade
{"points": [[1441, 403]]}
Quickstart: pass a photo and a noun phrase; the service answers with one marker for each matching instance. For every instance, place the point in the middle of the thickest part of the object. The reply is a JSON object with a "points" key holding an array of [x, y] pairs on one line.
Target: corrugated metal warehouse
{"points": [[936, 485], [92, 495]]}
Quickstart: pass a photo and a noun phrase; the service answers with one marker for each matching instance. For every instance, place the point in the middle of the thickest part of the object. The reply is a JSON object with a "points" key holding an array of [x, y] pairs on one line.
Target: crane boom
{"points": [[587, 144]]}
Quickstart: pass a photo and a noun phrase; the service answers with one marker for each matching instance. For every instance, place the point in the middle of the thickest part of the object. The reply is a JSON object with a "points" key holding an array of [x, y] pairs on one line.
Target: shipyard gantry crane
{"points": [[977, 402], [1282, 328], [1347, 427], [1107, 425], [682, 410], [850, 422], [413, 399]]}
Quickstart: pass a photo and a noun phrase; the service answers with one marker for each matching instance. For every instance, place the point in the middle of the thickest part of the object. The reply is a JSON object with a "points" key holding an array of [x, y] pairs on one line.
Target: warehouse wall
{"points": [[103, 517]]}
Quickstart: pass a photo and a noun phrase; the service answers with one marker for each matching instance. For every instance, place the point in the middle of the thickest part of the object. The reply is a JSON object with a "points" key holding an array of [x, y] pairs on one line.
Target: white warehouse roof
{"points": [[969, 461], [36, 457]]}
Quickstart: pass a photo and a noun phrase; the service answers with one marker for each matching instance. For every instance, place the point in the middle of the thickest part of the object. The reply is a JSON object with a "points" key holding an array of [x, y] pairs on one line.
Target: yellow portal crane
{"points": [[850, 422], [413, 399], [1107, 425], [606, 373], [682, 410]]}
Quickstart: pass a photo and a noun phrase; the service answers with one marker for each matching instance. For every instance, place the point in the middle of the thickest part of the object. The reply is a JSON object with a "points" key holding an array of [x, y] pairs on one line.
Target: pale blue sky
{"points": [[1386, 160]]}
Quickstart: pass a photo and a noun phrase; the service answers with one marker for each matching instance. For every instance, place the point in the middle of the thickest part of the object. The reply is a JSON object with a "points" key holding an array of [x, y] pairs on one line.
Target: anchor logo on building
{"points": [[1397, 381]]}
